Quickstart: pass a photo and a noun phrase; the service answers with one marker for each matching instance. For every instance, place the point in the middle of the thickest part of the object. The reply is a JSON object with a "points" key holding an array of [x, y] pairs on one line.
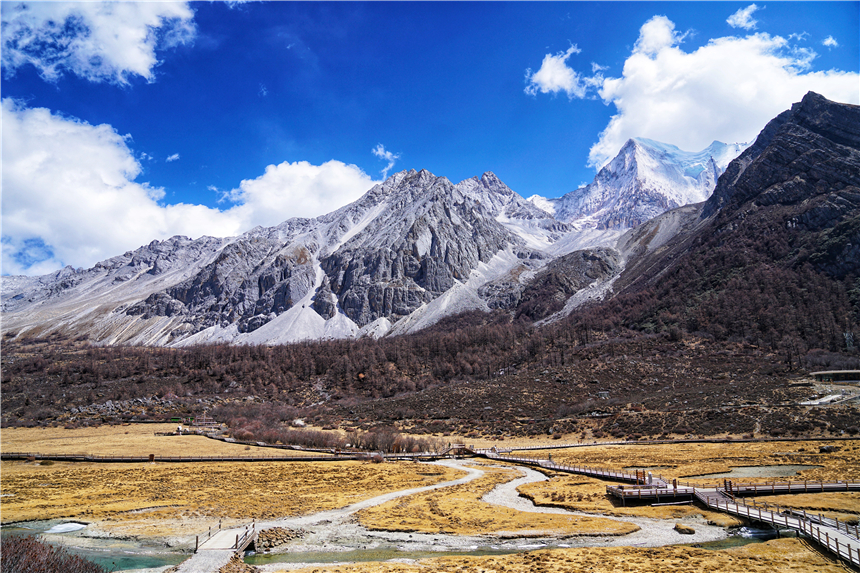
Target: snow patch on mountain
{"points": [[459, 298]]}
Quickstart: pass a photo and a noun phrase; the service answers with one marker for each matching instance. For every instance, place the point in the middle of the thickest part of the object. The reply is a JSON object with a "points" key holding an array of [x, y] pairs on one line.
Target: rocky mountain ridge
{"points": [[772, 256], [417, 248]]}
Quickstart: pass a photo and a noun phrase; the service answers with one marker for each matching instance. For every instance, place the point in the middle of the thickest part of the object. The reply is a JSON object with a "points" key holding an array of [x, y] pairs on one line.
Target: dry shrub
{"points": [[26, 554]]}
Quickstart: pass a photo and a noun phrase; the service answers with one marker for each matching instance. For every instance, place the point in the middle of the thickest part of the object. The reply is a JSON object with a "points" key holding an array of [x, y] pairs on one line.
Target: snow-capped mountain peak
{"points": [[645, 179]]}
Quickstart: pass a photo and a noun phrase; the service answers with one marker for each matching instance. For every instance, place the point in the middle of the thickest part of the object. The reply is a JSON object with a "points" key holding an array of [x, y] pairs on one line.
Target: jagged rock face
{"points": [[791, 199], [431, 235], [145, 264], [403, 244], [645, 179], [564, 276], [250, 281], [804, 170], [416, 247]]}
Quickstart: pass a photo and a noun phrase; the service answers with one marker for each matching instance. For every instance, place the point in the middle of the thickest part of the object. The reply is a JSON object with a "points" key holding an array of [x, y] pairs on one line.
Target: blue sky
{"points": [[210, 118]]}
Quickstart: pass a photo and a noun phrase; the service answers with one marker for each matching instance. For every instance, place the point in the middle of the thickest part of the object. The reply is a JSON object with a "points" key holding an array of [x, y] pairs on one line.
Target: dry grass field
{"points": [[131, 440], [236, 490], [689, 459], [166, 499], [777, 556], [579, 493], [176, 499], [459, 510]]}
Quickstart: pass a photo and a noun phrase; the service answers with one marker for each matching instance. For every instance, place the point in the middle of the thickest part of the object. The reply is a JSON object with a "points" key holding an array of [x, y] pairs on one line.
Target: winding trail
{"points": [[336, 531], [341, 513]]}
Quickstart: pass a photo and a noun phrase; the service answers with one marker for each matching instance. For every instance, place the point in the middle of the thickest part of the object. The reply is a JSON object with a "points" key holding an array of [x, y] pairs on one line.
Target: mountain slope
{"points": [[356, 271], [772, 256]]}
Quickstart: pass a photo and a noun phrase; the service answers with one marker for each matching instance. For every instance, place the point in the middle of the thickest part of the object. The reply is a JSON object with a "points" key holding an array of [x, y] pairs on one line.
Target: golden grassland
{"points": [[777, 556], [579, 493], [689, 459], [130, 440], [843, 506], [167, 499], [459, 510], [237, 490]]}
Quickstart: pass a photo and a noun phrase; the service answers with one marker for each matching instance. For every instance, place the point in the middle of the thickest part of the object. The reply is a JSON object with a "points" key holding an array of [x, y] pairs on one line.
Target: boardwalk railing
{"points": [[833, 539], [576, 469], [843, 544], [246, 538]]}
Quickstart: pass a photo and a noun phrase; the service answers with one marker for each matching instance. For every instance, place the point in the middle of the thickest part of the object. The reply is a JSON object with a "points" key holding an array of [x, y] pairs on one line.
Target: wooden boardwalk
{"points": [[839, 538], [637, 478], [842, 542]]}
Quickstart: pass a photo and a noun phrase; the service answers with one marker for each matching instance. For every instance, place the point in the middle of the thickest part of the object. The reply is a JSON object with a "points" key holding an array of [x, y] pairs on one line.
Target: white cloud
{"points": [[655, 35], [298, 189], [726, 90], [555, 76], [99, 41], [830, 42], [743, 18], [171, 158], [70, 195], [388, 156]]}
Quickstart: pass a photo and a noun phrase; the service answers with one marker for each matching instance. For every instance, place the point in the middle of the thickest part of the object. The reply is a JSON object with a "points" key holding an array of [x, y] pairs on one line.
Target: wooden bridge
{"points": [[217, 548]]}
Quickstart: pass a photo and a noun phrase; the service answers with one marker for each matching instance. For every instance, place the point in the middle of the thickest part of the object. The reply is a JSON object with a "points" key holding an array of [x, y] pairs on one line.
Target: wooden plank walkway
{"points": [[736, 490], [656, 481], [841, 543], [838, 538]]}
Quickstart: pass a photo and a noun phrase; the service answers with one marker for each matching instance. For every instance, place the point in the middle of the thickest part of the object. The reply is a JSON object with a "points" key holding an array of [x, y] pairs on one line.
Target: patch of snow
{"points": [[457, 299], [501, 263], [66, 528], [542, 203], [358, 226], [376, 329], [585, 238], [596, 291], [340, 326], [424, 241]]}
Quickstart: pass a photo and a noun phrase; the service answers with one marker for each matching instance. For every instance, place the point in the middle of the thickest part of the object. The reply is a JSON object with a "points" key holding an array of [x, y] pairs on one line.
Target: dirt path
{"points": [[327, 527]]}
